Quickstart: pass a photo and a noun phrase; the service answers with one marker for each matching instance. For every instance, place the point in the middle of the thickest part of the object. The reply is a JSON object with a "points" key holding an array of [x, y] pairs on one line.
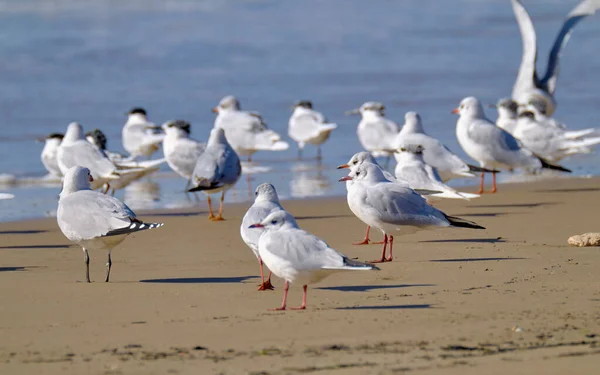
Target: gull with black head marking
{"points": [[93, 220], [298, 256], [180, 150], [308, 126], [217, 170], [50, 152], [140, 136]]}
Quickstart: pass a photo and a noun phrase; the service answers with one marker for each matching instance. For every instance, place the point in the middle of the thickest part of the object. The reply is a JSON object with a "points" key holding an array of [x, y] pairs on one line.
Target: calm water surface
{"points": [[90, 61]]}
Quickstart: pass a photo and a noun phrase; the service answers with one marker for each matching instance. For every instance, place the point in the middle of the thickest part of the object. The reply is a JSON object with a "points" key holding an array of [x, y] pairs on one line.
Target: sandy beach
{"points": [[512, 299]]}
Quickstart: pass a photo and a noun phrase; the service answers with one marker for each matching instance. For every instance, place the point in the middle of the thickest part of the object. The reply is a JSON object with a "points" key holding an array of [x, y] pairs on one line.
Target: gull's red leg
{"points": [[481, 183], [385, 241], [284, 302], [494, 189], [303, 300], [219, 217], [391, 257], [366, 240], [265, 285]]}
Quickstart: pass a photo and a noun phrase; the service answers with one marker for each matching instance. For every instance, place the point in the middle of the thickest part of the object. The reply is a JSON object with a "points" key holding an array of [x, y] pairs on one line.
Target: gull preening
{"points": [[217, 170], [392, 208], [246, 131], [491, 146], [412, 168], [298, 256], [528, 84], [180, 150], [266, 202], [140, 136], [93, 220], [50, 152], [435, 153], [375, 132], [308, 126]]}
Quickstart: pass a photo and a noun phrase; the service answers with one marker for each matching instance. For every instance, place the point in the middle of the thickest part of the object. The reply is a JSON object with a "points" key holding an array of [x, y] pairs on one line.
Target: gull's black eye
{"points": [[256, 193], [273, 221], [358, 173]]}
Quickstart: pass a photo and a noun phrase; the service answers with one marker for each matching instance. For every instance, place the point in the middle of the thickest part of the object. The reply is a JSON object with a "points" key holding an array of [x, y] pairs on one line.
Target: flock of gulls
{"points": [[524, 137]]}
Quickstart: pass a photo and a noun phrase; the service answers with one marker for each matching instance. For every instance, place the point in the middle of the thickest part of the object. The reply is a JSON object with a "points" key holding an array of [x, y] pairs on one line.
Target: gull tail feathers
{"points": [[140, 164], [473, 168], [135, 226], [355, 265], [427, 191], [585, 142], [462, 223], [204, 184], [547, 165], [576, 134]]}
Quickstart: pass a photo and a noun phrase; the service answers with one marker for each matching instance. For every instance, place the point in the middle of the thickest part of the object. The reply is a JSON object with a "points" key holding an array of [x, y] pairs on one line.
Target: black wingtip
{"points": [[201, 188], [356, 264], [135, 226], [474, 168], [462, 223], [547, 165]]}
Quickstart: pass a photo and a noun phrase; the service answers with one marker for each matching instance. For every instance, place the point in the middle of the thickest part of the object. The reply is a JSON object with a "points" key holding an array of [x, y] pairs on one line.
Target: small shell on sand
{"points": [[586, 239]]}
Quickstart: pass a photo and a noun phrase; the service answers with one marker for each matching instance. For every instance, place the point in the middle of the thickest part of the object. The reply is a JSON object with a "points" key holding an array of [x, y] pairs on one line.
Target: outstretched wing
{"points": [[527, 77]]}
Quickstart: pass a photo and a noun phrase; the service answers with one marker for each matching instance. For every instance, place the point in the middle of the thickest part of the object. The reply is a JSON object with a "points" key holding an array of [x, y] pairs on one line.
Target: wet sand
{"points": [[512, 299]]}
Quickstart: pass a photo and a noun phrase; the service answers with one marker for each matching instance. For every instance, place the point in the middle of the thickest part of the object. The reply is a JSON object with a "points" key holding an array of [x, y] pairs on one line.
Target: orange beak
{"points": [[347, 178], [456, 111], [215, 109], [343, 166]]}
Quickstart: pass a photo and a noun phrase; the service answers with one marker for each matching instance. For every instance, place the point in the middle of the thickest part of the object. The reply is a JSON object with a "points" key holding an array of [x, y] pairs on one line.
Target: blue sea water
{"points": [[90, 61]]}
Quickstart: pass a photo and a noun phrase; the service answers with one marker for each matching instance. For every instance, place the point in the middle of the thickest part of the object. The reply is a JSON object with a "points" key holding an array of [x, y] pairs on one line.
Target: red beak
{"points": [[456, 111], [257, 225], [90, 178], [215, 110], [347, 178], [343, 166]]}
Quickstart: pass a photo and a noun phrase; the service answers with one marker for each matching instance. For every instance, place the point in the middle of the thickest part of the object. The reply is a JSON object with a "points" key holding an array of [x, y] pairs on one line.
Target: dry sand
{"points": [[513, 299]]}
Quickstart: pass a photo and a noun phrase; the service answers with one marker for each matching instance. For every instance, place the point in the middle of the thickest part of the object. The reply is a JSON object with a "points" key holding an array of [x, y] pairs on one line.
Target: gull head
{"points": [[74, 132], [266, 193], [77, 178], [412, 122], [470, 107], [539, 104], [276, 220], [365, 172], [179, 127], [52, 138], [137, 112], [217, 135], [508, 106], [407, 153], [358, 159], [97, 138], [527, 115], [306, 104], [368, 108], [228, 103]]}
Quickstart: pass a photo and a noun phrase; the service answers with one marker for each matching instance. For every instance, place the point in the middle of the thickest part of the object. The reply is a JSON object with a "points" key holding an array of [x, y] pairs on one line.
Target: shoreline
{"points": [[183, 297]]}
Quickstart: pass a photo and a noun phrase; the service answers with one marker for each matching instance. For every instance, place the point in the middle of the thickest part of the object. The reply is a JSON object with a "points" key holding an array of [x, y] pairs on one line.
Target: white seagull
{"points": [[375, 132], [491, 146], [140, 136], [528, 84], [180, 150], [308, 126], [392, 208], [265, 203], [508, 112], [93, 220], [412, 168], [298, 256], [49, 154], [435, 153], [246, 131], [217, 170]]}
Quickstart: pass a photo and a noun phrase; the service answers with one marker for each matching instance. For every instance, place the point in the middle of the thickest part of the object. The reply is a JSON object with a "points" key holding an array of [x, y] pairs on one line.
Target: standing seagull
{"points": [[491, 146], [392, 208], [140, 137], [180, 150], [217, 170], [308, 126], [528, 85], [49, 154], [435, 153], [265, 203], [412, 168], [298, 256], [375, 132], [246, 131], [94, 220]]}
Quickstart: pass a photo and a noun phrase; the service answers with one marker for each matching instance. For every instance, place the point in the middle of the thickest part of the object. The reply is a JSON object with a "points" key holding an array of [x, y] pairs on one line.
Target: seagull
{"points": [[491, 146], [552, 144], [180, 150], [392, 208], [246, 131], [412, 168], [528, 85], [94, 220], [49, 154], [140, 137], [375, 132], [265, 203], [308, 126], [507, 114], [435, 153], [364, 157], [539, 109], [98, 139], [74, 150], [298, 256], [217, 170]]}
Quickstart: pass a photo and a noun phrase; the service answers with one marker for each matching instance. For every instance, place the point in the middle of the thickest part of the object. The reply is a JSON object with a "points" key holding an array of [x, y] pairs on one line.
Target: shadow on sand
{"points": [[573, 190], [473, 259], [386, 307], [36, 247], [201, 280], [22, 231], [11, 269], [366, 288], [514, 205], [468, 240]]}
